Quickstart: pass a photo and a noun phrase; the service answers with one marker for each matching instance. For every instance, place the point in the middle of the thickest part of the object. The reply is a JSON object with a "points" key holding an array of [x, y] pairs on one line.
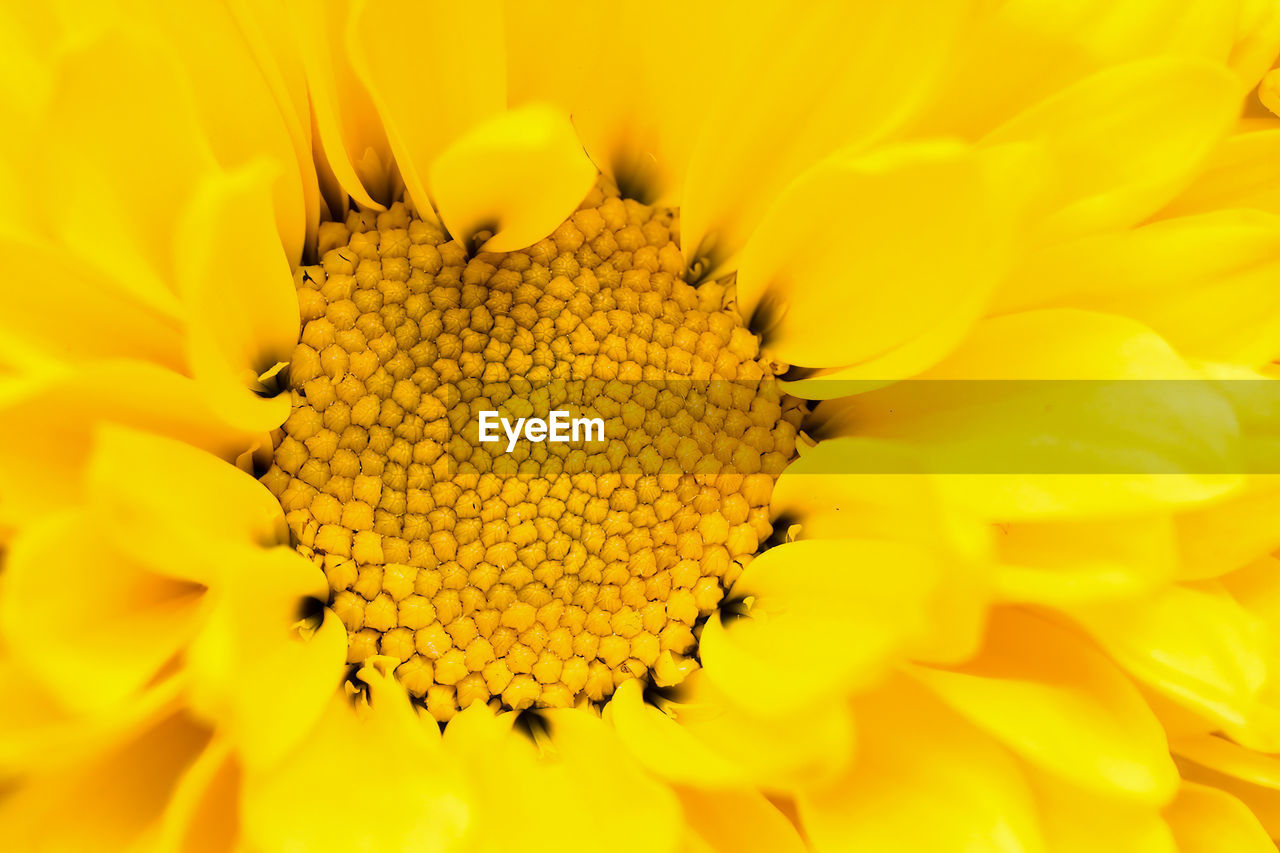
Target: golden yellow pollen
{"points": [[548, 575]]}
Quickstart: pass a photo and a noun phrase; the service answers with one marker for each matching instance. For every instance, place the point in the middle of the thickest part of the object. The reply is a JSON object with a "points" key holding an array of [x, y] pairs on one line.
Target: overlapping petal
{"points": [[45, 439], [412, 799], [1058, 703], [1205, 283], [917, 752], [825, 617], [350, 141], [1196, 645], [1124, 141], [802, 98], [448, 37], [881, 260], [699, 738], [239, 298], [1206, 819], [1067, 428]]}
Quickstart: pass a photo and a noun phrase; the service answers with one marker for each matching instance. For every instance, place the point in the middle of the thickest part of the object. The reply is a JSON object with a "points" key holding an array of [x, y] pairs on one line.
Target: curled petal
{"points": [[157, 497], [699, 738], [517, 175], [241, 305], [827, 616], [256, 667]]}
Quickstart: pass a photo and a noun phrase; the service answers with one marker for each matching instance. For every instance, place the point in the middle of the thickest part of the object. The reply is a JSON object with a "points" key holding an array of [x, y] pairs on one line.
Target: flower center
{"points": [[527, 573]]}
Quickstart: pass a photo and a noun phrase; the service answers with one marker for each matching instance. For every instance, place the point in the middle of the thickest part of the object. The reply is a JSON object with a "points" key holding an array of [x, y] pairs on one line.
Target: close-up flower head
{"points": [[658, 427]]}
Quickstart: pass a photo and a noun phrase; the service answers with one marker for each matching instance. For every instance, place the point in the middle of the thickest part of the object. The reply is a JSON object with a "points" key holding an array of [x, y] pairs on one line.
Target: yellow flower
{"points": [[822, 276]]}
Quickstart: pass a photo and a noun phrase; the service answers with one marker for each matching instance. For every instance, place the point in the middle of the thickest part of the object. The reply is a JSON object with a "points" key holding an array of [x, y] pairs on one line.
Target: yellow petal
{"points": [[701, 739], [253, 672], [1195, 645], [1226, 535], [738, 820], [60, 311], [38, 731], [1007, 437], [1177, 720], [1252, 777], [506, 786], [637, 79], [816, 491], [1257, 40], [1087, 345], [1256, 588], [799, 98], [29, 36], [1070, 561], [1125, 140], [241, 118], [446, 37], [203, 813], [901, 506], [924, 780], [662, 744], [827, 616], [1024, 51], [1057, 702], [1223, 756], [265, 26], [117, 198], [119, 791], [1269, 92], [605, 788], [814, 280], [32, 720], [1077, 820], [134, 480], [240, 300], [406, 799], [1205, 283], [109, 622], [1206, 820], [1254, 399], [572, 767], [47, 427], [517, 175], [1244, 171], [348, 135]]}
